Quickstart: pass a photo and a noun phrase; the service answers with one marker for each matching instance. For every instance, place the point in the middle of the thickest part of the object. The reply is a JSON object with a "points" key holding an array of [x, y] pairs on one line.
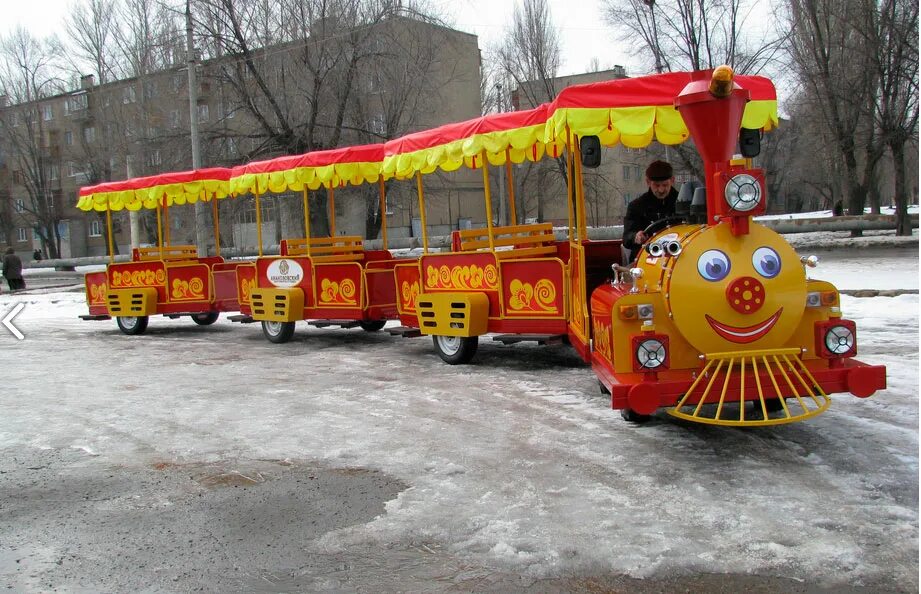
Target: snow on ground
{"points": [[515, 462]]}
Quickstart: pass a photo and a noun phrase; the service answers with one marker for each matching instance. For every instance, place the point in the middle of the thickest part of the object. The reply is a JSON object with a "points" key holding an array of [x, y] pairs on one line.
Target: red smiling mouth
{"points": [[747, 334]]}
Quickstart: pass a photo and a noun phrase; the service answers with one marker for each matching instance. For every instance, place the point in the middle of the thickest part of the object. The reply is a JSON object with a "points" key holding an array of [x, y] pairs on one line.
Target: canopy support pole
{"points": [[580, 200], [383, 211], [166, 229], [511, 187], [425, 234], [332, 210], [159, 232], [109, 233], [306, 220], [258, 224], [217, 225], [486, 191], [569, 193]]}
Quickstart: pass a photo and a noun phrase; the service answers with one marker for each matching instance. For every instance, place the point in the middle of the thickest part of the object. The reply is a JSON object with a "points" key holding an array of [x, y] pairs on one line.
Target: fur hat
{"points": [[659, 171]]}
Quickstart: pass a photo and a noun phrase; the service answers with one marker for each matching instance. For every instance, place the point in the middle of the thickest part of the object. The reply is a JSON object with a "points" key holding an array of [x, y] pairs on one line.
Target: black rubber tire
{"points": [[372, 325], [278, 332], [633, 416], [455, 350], [772, 406], [205, 319], [132, 326]]}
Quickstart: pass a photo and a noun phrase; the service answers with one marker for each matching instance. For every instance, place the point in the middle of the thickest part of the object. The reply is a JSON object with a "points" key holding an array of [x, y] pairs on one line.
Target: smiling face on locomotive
{"points": [[730, 293]]}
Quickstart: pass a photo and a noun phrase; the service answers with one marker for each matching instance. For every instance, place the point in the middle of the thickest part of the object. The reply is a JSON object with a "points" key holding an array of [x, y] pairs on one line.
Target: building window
{"points": [[15, 118], [636, 172], [73, 170], [129, 95], [203, 112], [89, 134], [627, 198], [228, 110], [20, 205], [154, 159], [47, 113], [174, 118], [75, 103], [54, 172], [626, 172], [95, 228], [68, 138], [377, 125], [22, 234]]}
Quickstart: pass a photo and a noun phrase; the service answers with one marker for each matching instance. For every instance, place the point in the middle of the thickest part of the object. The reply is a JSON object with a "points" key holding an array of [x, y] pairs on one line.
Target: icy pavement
{"points": [[515, 464]]}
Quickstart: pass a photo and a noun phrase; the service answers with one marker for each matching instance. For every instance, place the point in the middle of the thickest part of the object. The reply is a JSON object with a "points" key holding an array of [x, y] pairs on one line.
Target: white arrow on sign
{"points": [[8, 320]]}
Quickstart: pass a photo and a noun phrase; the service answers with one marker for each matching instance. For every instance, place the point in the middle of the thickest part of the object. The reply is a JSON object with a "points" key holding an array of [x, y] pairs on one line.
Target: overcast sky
{"points": [[583, 34]]}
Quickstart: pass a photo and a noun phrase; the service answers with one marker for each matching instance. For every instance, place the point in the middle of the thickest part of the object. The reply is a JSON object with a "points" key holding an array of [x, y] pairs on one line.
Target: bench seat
{"points": [[511, 242]]}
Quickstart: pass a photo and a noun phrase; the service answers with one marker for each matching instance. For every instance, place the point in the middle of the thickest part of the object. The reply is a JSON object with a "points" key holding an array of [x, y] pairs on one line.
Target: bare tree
{"points": [[694, 34], [530, 53], [831, 45], [528, 62], [29, 74], [897, 99], [91, 27], [318, 74]]}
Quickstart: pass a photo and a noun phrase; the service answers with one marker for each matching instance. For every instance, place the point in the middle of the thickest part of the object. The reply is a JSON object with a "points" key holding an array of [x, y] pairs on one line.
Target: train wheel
{"points": [[205, 319], [131, 325], [772, 406], [278, 332], [455, 350], [372, 325], [633, 416]]}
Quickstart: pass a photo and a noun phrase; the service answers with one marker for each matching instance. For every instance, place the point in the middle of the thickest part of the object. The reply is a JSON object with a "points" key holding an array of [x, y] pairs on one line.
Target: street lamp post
{"points": [[202, 224], [655, 35]]}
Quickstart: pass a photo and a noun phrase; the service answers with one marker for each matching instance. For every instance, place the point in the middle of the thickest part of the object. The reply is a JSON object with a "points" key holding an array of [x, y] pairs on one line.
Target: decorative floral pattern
{"points": [[138, 278], [98, 294], [537, 298], [578, 291], [462, 277], [247, 286], [335, 293], [410, 293], [602, 339], [192, 289]]}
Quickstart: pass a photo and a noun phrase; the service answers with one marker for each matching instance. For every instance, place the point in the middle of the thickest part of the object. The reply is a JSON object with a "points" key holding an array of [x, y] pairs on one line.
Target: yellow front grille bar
{"points": [[796, 397]]}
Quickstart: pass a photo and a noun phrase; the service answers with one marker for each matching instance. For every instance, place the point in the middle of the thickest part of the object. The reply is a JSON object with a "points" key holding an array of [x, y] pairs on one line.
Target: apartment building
{"points": [[417, 75]]}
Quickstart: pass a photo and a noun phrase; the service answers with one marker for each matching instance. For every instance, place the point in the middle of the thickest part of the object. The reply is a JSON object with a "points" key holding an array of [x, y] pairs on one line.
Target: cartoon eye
{"points": [[766, 262], [713, 265]]}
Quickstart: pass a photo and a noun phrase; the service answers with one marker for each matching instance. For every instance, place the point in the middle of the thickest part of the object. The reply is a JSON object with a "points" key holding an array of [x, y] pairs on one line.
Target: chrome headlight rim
{"points": [[650, 353], [839, 339], [743, 192]]}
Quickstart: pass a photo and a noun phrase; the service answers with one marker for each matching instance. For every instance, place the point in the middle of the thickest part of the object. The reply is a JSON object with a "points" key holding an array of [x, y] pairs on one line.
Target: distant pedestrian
{"points": [[12, 270], [37, 255], [838, 210]]}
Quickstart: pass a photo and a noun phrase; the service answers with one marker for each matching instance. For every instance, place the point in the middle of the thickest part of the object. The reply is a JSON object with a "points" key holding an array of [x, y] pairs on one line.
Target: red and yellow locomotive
{"points": [[715, 315]]}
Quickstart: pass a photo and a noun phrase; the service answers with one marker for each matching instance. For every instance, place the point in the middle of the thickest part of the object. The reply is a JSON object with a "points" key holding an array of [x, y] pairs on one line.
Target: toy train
{"points": [[715, 320]]}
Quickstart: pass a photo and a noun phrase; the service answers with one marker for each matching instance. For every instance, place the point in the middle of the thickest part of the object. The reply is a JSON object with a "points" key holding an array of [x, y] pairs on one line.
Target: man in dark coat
{"points": [[657, 203], [12, 270]]}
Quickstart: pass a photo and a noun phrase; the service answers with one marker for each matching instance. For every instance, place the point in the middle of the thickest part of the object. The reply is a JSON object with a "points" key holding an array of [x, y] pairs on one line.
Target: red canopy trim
{"points": [[334, 167], [167, 189]]}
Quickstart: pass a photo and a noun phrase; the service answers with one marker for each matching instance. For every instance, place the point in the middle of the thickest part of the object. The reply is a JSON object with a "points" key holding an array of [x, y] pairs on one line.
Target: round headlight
{"points": [[650, 354], [743, 192], [839, 339]]}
